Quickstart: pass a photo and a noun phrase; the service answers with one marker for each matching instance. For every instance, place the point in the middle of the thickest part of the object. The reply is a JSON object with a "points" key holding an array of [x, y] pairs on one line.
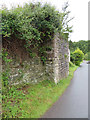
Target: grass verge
{"points": [[32, 101]]}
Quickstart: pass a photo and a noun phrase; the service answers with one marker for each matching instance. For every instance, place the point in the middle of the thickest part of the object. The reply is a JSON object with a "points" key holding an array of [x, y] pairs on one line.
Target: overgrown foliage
{"points": [[35, 23], [77, 56]]}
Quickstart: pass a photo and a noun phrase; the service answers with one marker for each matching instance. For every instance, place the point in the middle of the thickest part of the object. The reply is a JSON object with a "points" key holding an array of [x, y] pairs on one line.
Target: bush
{"points": [[35, 23], [87, 56], [77, 56]]}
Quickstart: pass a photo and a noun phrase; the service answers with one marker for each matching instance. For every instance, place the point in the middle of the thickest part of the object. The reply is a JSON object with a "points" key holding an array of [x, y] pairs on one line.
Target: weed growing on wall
{"points": [[6, 72], [10, 94]]}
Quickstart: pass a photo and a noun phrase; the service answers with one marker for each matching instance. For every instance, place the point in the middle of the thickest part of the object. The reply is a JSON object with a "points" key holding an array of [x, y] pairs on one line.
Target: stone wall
{"points": [[69, 54], [58, 63], [32, 71], [55, 68]]}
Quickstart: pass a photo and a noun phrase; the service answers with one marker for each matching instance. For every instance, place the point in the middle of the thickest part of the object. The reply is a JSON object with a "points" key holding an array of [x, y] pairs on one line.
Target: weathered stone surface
{"points": [[60, 67], [33, 71]]}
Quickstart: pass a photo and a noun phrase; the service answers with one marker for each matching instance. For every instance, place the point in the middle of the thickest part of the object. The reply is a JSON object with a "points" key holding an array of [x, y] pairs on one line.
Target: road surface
{"points": [[74, 102]]}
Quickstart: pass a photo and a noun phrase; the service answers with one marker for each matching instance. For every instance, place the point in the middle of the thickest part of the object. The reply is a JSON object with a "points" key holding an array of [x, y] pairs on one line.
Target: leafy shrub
{"points": [[87, 56], [9, 23], [77, 56], [35, 23]]}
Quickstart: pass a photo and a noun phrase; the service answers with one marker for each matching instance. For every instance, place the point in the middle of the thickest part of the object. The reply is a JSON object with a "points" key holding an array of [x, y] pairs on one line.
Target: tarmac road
{"points": [[74, 102]]}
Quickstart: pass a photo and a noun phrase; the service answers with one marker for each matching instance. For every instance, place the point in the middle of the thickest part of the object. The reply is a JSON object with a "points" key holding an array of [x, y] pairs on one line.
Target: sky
{"points": [[78, 8]]}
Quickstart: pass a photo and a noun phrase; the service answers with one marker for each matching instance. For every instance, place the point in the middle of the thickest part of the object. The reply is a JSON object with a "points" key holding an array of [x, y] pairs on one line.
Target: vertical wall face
{"points": [[60, 59], [56, 60], [69, 54], [33, 71]]}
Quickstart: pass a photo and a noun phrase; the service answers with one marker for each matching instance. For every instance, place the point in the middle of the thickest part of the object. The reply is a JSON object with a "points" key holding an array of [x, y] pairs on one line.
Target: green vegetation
{"points": [[77, 56], [35, 24], [82, 45], [87, 56], [6, 72], [32, 101], [71, 64]]}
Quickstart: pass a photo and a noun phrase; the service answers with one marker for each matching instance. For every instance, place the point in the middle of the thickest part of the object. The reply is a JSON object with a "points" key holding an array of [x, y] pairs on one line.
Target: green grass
{"points": [[32, 101]]}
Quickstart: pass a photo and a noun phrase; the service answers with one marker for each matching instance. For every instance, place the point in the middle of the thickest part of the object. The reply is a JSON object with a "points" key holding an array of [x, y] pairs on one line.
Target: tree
{"points": [[65, 18], [82, 45]]}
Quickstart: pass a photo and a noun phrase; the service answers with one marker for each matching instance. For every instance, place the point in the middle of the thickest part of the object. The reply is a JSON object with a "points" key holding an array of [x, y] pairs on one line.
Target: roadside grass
{"points": [[32, 101]]}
